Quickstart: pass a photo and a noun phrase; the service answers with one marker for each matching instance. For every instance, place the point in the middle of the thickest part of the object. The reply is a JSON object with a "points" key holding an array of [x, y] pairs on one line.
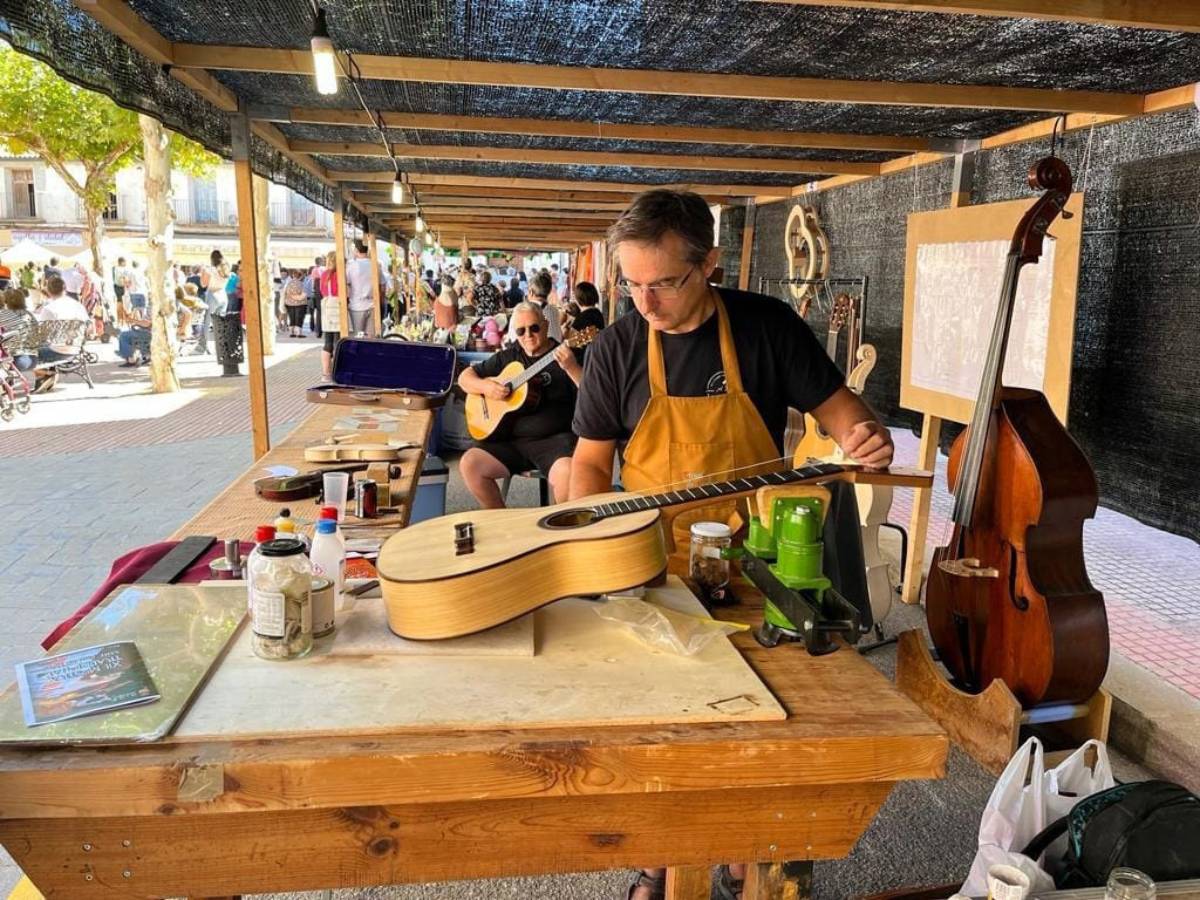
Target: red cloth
{"points": [[132, 566]]}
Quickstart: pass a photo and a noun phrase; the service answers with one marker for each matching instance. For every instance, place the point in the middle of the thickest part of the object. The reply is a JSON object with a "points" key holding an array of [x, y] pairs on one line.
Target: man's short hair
{"points": [[360, 245], [652, 214], [54, 260], [526, 306], [540, 285], [120, 260], [55, 286], [586, 294], [485, 277]]}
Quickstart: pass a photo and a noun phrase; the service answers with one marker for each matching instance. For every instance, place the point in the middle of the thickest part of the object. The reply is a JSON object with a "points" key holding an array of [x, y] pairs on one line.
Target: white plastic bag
{"points": [[662, 628], [1025, 800]]}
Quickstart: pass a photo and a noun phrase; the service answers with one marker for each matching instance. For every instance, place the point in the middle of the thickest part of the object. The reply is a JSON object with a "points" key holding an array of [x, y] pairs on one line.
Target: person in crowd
{"points": [[120, 277], [360, 287], [188, 307], [133, 343], [487, 296], [48, 271], [193, 277], [137, 287], [28, 278], [91, 295], [515, 295], [465, 282], [6, 277], [700, 381], [295, 303], [214, 279], [331, 314], [445, 310], [539, 293], [313, 284], [426, 293], [233, 288], [57, 307], [537, 438], [588, 300], [18, 328], [73, 277]]}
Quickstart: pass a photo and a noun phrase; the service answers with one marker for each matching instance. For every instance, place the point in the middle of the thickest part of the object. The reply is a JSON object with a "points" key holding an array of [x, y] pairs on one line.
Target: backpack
{"points": [[1152, 826]]}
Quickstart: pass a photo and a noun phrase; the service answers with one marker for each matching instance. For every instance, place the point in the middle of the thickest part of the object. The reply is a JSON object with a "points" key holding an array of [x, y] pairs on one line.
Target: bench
{"points": [[67, 333]]}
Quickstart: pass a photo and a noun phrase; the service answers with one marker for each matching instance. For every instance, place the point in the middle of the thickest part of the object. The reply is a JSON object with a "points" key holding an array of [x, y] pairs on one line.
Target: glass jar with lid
{"points": [[707, 564], [279, 582]]}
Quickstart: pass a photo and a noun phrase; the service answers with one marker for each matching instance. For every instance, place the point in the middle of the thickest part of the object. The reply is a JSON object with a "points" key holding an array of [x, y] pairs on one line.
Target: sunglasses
{"points": [[532, 329]]}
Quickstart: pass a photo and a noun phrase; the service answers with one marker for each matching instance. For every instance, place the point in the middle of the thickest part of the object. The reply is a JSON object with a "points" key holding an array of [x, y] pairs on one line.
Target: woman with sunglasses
{"points": [[537, 436]]}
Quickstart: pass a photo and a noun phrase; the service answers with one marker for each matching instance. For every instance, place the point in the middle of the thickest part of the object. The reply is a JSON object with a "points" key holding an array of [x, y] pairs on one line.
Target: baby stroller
{"points": [[14, 388]]}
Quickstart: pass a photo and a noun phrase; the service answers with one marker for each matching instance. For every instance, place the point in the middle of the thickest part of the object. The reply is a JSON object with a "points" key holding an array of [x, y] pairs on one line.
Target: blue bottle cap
{"points": [[326, 526]]}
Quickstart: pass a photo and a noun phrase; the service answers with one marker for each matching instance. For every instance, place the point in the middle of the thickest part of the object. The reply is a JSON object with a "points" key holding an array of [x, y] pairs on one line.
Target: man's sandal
{"points": [[728, 887], [657, 886]]}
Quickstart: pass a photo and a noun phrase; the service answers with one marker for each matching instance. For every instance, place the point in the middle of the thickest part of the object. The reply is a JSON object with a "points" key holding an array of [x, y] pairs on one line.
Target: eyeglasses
{"points": [[532, 329], [665, 290]]}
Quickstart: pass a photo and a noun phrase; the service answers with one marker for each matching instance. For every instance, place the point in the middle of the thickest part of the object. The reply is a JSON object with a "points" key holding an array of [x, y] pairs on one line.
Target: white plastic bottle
{"points": [[328, 555]]}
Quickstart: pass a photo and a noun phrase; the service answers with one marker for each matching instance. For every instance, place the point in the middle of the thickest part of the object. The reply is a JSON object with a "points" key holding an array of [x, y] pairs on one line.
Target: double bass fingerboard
{"points": [[641, 502]]}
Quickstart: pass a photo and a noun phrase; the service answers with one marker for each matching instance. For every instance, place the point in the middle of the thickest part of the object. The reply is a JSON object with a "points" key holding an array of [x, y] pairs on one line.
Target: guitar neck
{"points": [[635, 503], [533, 370]]}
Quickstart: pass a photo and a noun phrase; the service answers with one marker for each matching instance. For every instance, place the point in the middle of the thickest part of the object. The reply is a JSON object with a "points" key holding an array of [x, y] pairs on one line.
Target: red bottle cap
{"points": [[264, 533], [328, 512]]}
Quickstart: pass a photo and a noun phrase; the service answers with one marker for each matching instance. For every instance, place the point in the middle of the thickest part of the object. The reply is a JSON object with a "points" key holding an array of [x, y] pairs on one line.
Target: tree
{"points": [[164, 348], [61, 123]]}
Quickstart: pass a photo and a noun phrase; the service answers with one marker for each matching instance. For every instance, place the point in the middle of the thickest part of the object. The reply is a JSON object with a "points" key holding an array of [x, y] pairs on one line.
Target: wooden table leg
{"points": [[931, 430], [779, 881], [689, 883]]}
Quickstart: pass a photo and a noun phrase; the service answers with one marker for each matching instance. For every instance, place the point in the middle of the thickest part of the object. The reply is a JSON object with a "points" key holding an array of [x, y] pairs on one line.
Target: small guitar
{"points": [[462, 573], [814, 443], [486, 416]]}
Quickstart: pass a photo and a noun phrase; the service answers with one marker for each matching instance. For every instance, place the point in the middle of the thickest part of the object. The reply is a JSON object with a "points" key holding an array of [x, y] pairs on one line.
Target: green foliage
{"points": [[61, 122]]}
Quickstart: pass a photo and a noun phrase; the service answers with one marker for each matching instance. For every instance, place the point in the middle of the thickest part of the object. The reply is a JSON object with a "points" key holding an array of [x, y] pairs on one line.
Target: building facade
{"points": [[37, 205]]}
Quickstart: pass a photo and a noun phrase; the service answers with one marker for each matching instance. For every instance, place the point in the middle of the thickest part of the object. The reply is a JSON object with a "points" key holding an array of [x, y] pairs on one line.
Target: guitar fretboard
{"points": [[638, 502]]}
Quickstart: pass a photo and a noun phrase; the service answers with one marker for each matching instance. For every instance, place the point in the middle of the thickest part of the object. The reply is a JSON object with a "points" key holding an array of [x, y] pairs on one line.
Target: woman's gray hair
{"points": [[526, 306]]}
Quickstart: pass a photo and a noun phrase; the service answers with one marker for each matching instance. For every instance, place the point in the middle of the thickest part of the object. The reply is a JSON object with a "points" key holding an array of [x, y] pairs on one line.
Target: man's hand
{"points": [[566, 358], [870, 444], [495, 389]]}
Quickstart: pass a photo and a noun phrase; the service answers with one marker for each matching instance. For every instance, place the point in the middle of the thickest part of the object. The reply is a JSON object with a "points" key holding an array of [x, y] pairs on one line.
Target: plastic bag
{"points": [[1025, 799], [662, 628]]}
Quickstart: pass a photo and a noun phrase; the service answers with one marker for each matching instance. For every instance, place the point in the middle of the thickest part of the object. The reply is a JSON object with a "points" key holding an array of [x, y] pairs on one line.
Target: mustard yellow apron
{"points": [[687, 441]]}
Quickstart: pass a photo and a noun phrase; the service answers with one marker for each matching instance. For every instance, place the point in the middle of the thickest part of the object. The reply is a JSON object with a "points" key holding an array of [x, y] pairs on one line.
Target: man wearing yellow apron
{"points": [[696, 386]]}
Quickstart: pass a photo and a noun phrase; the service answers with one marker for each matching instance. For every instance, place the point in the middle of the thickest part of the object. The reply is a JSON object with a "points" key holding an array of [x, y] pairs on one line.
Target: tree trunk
{"points": [[266, 285], [95, 227], [164, 344]]}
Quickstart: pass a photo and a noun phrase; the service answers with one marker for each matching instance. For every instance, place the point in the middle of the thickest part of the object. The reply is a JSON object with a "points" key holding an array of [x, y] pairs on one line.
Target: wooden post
{"points": [[373, 249], [259, 423], [931, 426], [747, 245], [689, 883], [339, 249], [399, 286]]}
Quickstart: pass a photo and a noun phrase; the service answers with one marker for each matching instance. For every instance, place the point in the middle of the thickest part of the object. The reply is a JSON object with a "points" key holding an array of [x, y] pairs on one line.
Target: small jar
{"points": [[706, 565], [1125, 883], [280, 587]]}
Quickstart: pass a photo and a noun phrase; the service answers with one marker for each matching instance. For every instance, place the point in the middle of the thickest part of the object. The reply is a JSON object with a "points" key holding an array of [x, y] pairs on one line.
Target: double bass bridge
{"points": [[968, 567]]}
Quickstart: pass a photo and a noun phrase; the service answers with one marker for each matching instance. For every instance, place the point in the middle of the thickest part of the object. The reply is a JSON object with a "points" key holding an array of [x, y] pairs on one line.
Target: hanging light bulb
{"points": [[420, 223], [398, 189], [324, 62]]}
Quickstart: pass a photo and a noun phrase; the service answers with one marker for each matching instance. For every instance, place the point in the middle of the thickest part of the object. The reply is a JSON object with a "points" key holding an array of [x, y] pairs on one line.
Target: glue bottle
{"points": [[328, 555]]}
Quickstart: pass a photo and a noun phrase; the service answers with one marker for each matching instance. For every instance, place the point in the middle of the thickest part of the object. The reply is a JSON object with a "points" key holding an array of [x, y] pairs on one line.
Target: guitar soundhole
{"points": [[568, 518]]}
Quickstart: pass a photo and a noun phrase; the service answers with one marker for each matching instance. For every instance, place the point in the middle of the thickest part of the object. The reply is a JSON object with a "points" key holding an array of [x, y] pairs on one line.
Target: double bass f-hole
{"points": [[1020, 601]]}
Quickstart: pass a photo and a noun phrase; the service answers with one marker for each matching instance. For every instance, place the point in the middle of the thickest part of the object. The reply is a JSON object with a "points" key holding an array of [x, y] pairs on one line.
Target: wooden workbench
{"points": [[219, 817], [237, 511]]}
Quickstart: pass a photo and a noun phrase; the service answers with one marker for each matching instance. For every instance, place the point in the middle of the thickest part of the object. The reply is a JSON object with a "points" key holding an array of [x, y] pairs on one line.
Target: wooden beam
{"points": [[547, 216], [1167, 15], [373, 252], [259, 424], [339, 249], [591, 158], [651, 81], [611, 131], [431, 202], [556, 184]]}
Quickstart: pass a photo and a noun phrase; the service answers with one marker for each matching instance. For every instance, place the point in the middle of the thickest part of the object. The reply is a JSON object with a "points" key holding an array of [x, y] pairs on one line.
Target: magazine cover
{"points": [[83, 682]]}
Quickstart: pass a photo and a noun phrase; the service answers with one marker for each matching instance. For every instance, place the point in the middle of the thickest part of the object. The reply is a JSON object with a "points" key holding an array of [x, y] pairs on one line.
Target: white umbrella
{"points": [[26, 251]]}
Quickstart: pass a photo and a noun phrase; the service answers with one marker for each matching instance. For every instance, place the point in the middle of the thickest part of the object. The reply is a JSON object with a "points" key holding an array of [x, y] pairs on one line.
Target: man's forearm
{"points": [[470, 382], [587, 479]]}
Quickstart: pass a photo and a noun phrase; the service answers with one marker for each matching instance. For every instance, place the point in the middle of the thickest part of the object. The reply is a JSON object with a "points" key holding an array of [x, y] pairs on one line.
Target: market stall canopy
{"points": [[734, 99], [26, 251]]}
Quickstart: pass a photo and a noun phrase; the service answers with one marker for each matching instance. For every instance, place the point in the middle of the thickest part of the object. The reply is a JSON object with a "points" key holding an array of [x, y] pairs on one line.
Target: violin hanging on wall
{"points": [[1009, 596]]}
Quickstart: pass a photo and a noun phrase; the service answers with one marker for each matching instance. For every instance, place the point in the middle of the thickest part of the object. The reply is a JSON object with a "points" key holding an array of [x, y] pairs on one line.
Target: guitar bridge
{"points": [[464, 538], [968, 567]]}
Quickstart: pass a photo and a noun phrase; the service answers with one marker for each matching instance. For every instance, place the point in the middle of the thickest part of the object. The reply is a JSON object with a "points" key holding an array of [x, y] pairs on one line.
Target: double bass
{"points": [[1009, 596]]}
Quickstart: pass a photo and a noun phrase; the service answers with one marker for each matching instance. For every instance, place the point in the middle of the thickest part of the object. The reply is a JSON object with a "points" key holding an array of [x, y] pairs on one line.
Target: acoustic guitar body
{"points": [[486, 416], [1026, 612], [521, 559], [815, 443]]}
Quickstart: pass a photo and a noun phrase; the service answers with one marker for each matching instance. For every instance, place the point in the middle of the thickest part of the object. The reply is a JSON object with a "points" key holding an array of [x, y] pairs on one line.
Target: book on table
{"points": [[84, 682]]}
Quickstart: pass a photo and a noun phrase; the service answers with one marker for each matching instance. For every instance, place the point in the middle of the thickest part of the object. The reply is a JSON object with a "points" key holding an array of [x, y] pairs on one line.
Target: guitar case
{"points": [[393, 374]]}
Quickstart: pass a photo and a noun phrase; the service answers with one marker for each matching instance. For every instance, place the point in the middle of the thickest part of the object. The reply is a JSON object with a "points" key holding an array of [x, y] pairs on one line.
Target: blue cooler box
{"points": [[430, 501]]}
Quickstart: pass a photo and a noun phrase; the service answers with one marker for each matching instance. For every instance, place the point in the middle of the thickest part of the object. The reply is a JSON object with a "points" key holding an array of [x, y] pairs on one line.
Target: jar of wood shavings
{"points": [[280, 579], [707, 566]]}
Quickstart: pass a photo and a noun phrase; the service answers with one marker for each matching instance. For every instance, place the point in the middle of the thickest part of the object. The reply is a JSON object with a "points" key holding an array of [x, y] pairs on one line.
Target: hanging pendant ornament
{"points": [[807, 250]]}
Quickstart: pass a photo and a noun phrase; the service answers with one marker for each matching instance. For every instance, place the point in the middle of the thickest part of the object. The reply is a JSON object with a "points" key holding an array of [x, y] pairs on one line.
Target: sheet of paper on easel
{"points": [[950, 337]]}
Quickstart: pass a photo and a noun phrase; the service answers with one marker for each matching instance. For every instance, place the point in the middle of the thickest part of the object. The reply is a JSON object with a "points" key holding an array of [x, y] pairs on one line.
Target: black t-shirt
{"points": [[556, 394], [781, 364], [590, 317]]}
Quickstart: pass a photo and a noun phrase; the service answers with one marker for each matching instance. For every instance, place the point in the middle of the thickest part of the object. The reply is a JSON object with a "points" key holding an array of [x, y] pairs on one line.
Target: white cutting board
{"points": [[587, 671]]}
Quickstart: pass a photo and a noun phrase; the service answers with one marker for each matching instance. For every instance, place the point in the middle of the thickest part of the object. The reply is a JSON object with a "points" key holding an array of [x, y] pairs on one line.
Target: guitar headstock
{"points": [[843, 305], [583, 337]]}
